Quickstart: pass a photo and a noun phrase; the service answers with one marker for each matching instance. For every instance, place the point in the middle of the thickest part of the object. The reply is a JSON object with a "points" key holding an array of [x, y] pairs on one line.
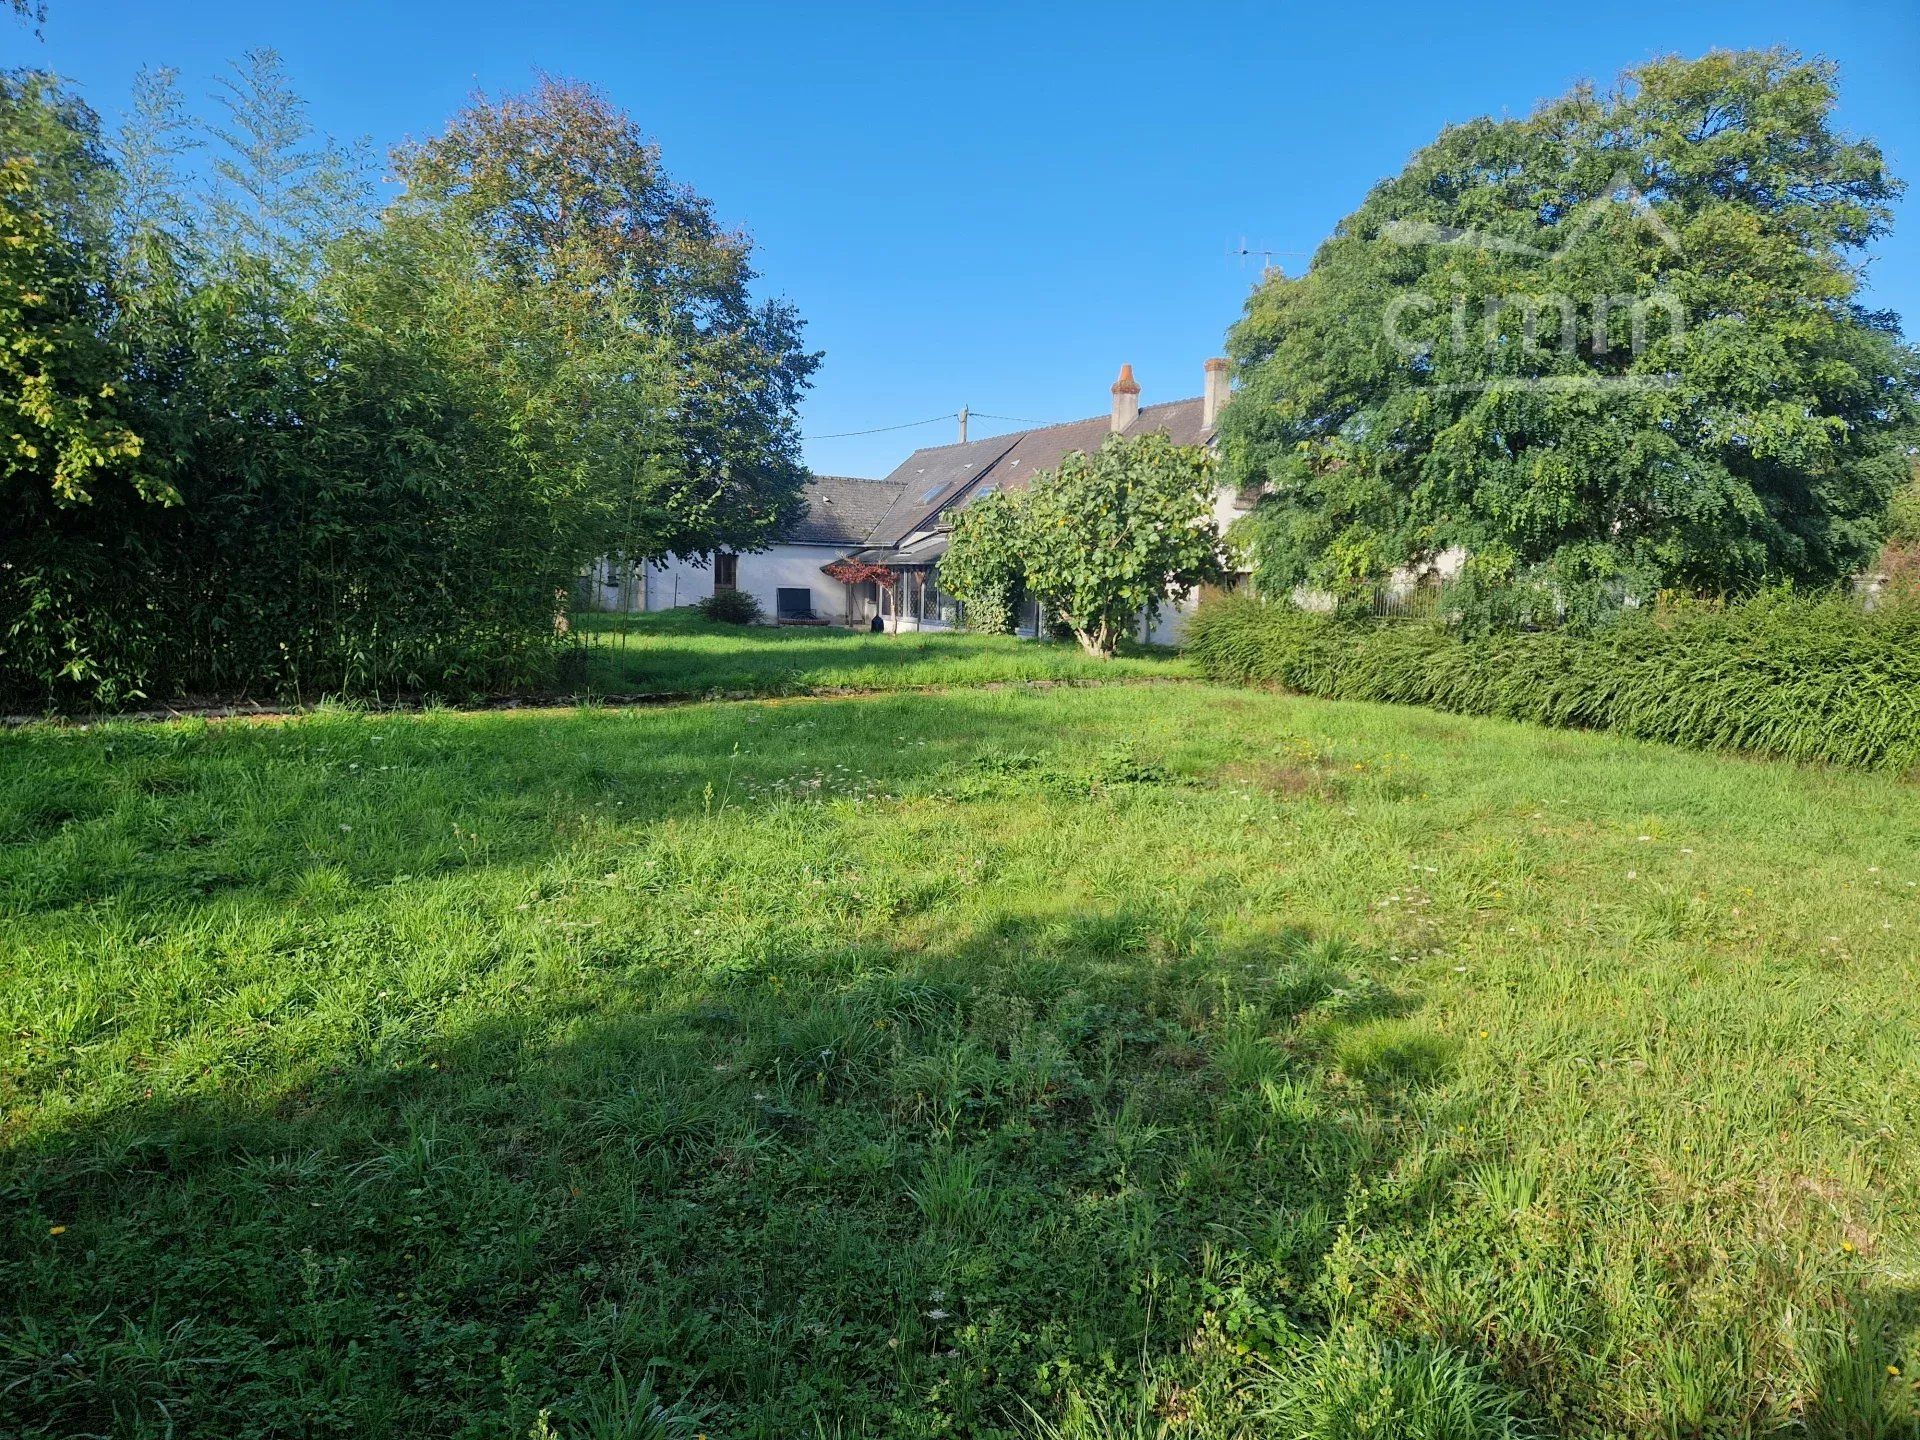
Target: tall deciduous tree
{"points": [[62, 428], [614, 317], [75, 472], [1610, 348]]}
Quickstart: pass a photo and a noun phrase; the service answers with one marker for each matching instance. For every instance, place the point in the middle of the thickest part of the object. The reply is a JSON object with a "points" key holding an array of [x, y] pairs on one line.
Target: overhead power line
{"points": [[880, 429], [916, 424]]}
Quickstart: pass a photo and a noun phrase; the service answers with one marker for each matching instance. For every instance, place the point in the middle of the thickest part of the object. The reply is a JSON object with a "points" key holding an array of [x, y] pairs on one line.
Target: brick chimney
{"points": [[1126, 399], [1214, 398]]}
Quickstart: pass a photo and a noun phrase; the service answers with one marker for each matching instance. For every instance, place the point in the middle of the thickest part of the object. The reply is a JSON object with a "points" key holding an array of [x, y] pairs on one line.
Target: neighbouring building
{"points": [[841, 513], [900, 522]]}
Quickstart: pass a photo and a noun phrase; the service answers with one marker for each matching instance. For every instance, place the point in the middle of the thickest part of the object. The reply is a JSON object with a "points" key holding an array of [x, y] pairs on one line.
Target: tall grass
{"points": [[1804, 679]]}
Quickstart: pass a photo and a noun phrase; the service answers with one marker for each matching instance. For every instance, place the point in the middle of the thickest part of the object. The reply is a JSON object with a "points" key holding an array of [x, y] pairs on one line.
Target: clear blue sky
{"points": [[998, 204]]}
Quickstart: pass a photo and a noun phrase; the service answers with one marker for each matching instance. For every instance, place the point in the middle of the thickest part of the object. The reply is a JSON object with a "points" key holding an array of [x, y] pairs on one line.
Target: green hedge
{"points": [[1801, 678]]}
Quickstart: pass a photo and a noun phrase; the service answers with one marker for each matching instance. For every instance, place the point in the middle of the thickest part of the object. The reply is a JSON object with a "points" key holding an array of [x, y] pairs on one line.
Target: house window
{"points": [[793, 602], [726, 572], [940, 606]]}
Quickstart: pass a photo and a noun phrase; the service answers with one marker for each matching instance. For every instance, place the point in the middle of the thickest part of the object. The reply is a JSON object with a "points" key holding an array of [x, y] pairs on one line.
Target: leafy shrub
{"points": [[1900, 557], [731, 607], [1903, 516], [259, 438], [1124, 530], [1097, 541], [983, 565], [1807, 679]]}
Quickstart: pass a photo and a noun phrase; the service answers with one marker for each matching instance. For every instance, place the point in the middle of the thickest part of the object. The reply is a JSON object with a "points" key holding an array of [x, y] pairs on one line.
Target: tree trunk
{"points": [[1097, 642]]}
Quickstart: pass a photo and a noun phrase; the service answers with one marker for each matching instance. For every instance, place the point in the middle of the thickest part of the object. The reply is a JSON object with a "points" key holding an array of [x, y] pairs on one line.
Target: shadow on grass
{"points": [[140, 816], [893, 1193]]}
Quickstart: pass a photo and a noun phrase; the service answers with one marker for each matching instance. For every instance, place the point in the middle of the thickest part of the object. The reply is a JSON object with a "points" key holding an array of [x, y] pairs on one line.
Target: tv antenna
{"points": [[1244, 252]]}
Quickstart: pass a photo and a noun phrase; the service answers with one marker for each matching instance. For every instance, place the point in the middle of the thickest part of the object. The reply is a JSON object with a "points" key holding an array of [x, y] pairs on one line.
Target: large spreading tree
{"points": [[1612, 348]]}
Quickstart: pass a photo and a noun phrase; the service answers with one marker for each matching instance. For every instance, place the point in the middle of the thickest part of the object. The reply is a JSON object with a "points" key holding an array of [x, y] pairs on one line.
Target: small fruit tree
{"points": [[983, 564], [1111, 535]]}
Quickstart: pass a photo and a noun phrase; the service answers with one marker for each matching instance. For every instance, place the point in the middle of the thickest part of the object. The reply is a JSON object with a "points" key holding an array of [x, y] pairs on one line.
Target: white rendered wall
{"points": [[761, 574], [1172, 625]]}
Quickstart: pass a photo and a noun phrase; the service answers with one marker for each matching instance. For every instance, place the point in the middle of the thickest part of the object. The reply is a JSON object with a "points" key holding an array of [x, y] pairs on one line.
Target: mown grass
{"points": [[676, 652], [1083, 1062]]}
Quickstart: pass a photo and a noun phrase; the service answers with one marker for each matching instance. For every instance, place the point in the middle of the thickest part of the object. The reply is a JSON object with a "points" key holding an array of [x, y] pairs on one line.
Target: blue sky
{"points": [[998, 204]]}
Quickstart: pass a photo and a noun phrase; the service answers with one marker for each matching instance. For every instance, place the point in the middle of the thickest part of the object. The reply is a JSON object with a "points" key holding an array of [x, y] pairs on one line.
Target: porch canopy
{"points": [[910, 557], [904, 575]]}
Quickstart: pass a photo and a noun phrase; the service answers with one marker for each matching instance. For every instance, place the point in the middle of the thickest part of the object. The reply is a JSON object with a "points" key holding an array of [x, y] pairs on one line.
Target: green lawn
{"points": [[970, 1062], [675, 652]]}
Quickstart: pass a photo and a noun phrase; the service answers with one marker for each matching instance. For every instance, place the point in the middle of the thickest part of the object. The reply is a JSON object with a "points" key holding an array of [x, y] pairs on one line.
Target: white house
{"points": [[900, 522], [786, 578]]}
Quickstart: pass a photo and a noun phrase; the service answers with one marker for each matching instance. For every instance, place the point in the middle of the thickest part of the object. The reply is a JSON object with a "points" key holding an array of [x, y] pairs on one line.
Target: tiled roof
{"points": [[842, 509], [931, 478], [1044, 449], [943, 477]]}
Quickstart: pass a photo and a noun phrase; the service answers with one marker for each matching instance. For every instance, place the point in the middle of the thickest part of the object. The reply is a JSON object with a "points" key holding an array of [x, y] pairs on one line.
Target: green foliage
{"points": [[1111, 534], [611, 319], [414, 1074], [61, 426], [1612, 348], [1809, 679], [983, 563], [619, 1411], [393, 439], [730, 607], [1903, 515]]}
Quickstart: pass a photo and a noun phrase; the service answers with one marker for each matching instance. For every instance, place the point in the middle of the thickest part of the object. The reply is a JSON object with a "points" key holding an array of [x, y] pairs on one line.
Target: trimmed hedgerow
{"points": [[1808, 679]]}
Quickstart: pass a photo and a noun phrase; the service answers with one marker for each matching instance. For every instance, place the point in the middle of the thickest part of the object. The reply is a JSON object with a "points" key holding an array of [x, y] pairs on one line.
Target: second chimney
{"points": [[1214, 398], [1126, 400]]}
